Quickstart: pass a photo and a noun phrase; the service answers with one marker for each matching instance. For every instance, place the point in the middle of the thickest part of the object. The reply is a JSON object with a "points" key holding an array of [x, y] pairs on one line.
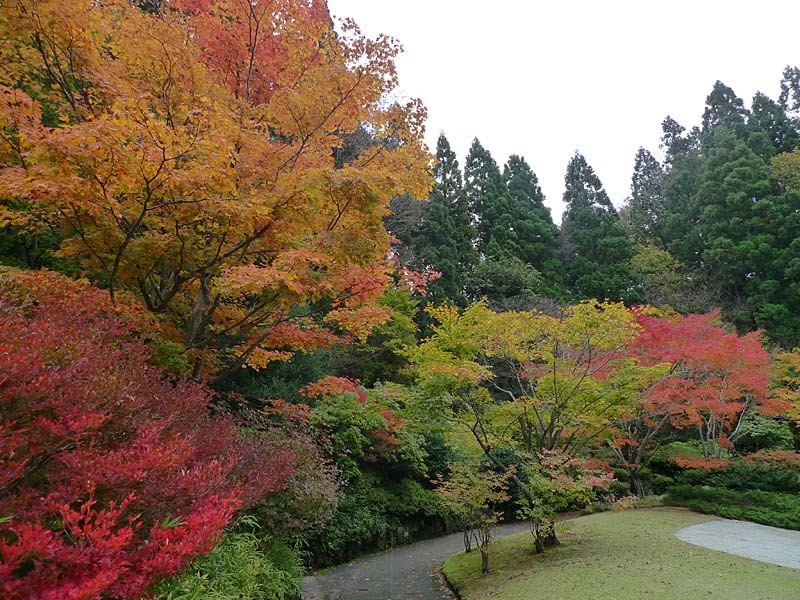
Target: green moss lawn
{"points": [[626, 555]]}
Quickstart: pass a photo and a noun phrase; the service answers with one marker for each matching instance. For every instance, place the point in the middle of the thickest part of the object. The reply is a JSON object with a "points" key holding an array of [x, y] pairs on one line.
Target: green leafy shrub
{"points": [[241, 567], [758, 432], [374, 514], [661, 483], [618, 488], [768, 508], [356, 528], [743, 476], [651, 501], [662, 462]]}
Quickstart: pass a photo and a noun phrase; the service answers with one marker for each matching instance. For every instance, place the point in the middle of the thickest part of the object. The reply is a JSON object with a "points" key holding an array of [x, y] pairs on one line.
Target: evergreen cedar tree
{"points": [[488, 234], [593, 245], [111, 476], [724, 205], [194, 165], [489, 203], [724, 109], [645, 205], [535, 232], [445, 239]]}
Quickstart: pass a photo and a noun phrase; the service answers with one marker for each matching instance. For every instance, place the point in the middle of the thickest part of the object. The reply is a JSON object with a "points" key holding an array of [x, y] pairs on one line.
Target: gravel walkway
{"points": [[750, 540], [405, 573]]}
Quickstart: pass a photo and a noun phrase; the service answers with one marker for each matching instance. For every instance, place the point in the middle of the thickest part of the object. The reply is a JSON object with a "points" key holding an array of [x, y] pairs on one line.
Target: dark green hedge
{"points": [[768, 508], [743, 477]]}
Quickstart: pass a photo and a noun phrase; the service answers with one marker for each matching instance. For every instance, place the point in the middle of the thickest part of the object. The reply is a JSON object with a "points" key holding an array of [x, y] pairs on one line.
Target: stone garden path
{"points": [[411, 572], [750, 540], [404, 573]]}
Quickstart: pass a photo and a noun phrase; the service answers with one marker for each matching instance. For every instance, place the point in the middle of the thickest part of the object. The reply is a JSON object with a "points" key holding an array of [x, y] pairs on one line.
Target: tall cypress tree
{"points": [[532, 223], [683, 171], [490, 204], [445, 241], [769, 121], [747, 237], [790, 91], [595, 248], [646, 204], [735, 182], [724, 109]]}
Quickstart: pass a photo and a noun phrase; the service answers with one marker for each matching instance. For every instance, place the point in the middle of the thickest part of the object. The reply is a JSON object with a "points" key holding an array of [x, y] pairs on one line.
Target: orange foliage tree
{"points": [[203, 158]]}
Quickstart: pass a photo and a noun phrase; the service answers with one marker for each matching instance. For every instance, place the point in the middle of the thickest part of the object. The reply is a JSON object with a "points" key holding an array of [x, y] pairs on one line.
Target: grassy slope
{"points": [[627, 555]]}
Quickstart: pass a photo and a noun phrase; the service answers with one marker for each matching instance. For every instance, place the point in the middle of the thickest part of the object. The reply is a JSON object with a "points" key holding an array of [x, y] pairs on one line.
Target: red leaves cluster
{"points": [[778, 459], [570, 473], [385, 441], [111, 476], [715, 375], [291, 413], [706, 464], [250, 44]]}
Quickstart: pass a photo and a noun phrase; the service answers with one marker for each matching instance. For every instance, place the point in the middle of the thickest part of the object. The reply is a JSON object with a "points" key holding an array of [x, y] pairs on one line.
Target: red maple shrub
{"points": [[111, 475]]}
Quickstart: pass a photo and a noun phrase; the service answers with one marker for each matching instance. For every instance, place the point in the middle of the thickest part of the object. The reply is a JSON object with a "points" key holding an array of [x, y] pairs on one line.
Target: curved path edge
{"points": [[748, 540], [402, 573]]}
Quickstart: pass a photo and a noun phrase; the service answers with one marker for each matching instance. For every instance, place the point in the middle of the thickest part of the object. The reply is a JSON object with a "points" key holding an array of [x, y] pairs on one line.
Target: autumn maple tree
{"points": [[111, 475], [547, 383], [714, 378], [530, 384], [196, 155], [785, 381]]}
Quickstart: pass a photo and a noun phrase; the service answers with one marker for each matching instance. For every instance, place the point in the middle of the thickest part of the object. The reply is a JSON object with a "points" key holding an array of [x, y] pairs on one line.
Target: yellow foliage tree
{"points": [[196, 156], [529, 380]]}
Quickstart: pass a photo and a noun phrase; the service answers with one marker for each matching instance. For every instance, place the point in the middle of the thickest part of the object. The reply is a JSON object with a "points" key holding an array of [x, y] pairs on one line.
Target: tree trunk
{"points": [[637, 485], [543, 539], [550, 540], [484, 532]]}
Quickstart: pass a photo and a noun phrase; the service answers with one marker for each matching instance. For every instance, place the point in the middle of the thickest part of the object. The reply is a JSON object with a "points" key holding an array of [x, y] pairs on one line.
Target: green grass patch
{"points": [[627, 555]]}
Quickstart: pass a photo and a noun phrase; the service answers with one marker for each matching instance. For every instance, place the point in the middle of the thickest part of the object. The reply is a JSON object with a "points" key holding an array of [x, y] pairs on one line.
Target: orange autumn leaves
{"points": [[191, 157]]}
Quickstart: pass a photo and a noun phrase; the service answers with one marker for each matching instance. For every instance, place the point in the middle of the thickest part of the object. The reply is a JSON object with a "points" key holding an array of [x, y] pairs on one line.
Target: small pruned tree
{"points": [[470, 495], [559, 481]]}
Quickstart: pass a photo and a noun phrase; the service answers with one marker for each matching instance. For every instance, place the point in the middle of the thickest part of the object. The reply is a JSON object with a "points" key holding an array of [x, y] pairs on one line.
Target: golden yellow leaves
{"points": [[187, 160], [787, 169], [785, 384], [259, 358], [359, 321]]}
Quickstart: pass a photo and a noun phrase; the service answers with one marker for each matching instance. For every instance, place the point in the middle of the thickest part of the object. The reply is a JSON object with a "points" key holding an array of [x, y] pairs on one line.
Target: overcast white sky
{"points": [[546, 78]]}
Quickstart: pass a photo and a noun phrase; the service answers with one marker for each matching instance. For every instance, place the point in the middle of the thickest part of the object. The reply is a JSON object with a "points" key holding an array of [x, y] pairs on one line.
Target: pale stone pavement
{"points": [[749, 540]]}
